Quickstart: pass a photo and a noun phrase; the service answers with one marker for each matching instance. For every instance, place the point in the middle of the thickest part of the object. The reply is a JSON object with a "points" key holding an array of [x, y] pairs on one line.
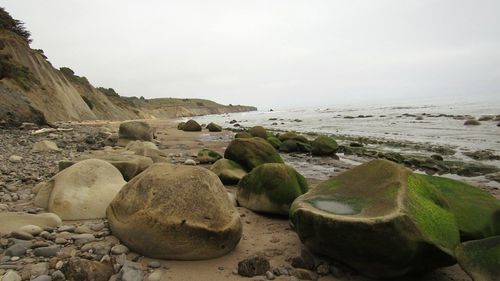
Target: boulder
{"points": [[324, 146], [44, 146], [82, 191], [258, 132], [175, 212], [208, 156], [271, 188], [191, 126], [138, 146], [129, 165], [250, 153], [480, 258], [380, 219], [471, 122], [242, 135], [212, 127], [228, 171], [180, 126], [135, 130], [78, 269], [289, 146], [12, 221], [274, 141], [287, 136], [486, 118]]}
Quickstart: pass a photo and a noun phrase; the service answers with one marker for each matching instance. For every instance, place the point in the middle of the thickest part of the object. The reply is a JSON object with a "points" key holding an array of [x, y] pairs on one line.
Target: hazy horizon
{"points": [[275, 54]]}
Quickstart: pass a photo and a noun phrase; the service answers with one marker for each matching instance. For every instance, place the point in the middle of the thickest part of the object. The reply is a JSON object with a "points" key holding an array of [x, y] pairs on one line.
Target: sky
{"points": [[274, 53]]}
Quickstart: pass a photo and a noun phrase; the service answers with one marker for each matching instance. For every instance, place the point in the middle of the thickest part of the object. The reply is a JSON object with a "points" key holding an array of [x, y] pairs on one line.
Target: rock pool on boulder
{"points": [[384, 221], [175, 212]]}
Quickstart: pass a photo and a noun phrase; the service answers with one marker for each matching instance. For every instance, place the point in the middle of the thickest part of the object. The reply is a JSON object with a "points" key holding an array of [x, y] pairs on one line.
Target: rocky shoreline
{"points": [[88, 250]]}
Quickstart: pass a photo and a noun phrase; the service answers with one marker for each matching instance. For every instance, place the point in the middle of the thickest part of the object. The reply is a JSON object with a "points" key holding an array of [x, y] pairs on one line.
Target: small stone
{"points": [[15, 258], [60, 240], [83, 229], [131, 271], [323, 269], [154, 264], [58, 276], [304, 274], [16, 250], [42, 278], [305, 261], [253, 266], [15, 158], [270, 275], [98, 226], [68, 228], [11, 275], [46, 251], [155, 276], [31, 229], [41, 268], [23, 235], [190, 162], [119, 249]]}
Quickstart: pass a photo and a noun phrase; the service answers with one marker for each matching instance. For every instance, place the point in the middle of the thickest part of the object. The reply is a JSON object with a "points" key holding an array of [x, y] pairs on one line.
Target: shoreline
{"points": [[264, 235]]}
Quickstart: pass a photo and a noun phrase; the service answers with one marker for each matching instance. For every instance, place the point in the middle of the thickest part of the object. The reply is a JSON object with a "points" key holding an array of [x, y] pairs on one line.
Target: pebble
{"points": [[11, 275], [31, 229], [68, 228], [16, 250], [154, 264], [253, 266], [131, 271], [58, 276], [155, 275], [23, 235], [60, 240], [270, 275], [41, 268], [42, 278], [47, 251], [15, 158], [98, 226], [83, 229], [119, 249], [190, 162]]}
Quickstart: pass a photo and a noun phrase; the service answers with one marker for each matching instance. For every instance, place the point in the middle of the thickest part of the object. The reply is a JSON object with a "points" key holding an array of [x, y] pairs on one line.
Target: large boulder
{"points": [[274, 141], [208, 156], [242, 135], [271, 188], [258, 132], [175, 212], [212, 127], [82, 191], [324, 146], [129, 165], [228, 171], [137, 146], [11, 221], [191, 126], [287, 136], [380, 219], [480, 258], [135, 130], [252, 152]]}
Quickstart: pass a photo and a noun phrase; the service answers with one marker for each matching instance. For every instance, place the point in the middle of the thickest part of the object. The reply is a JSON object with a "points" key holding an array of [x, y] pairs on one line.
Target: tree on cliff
{"points": [[11, 24]]}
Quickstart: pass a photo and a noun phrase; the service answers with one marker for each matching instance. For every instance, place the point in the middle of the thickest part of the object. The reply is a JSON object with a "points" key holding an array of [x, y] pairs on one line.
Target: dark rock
{"points": [[50, 251], [253, 266], [16, 250], [191, 126], [437, 157], [304, 274], [305, 260], [77, 269], [472, 122]]}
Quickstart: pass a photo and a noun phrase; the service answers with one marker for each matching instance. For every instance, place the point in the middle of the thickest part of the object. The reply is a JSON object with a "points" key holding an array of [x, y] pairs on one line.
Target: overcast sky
{"points": [[274, 53]]}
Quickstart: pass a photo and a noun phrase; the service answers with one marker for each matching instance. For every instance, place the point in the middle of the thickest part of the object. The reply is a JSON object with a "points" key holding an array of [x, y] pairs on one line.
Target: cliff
{"points": [[32, 90]]}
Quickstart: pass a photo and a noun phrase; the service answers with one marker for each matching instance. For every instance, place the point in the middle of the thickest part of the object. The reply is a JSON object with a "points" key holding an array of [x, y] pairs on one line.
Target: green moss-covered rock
{"points": [[289, 146], [301, 139], [271, 188], [274, 141], [191, 126], [250, 153], [324, 146], [208, 156], [287, 136], [480, 258], [258, 132], [228, 171], [180, 126], [379, 219], [242, 135], [212, 127]]}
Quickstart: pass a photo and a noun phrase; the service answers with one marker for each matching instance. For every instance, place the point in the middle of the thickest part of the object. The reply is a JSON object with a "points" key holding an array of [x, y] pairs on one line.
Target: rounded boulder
{"points": [[175, 212], [251, 152]]}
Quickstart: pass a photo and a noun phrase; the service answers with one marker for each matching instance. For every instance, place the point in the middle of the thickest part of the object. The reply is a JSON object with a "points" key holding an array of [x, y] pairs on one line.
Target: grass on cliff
{"points": [[19, 73], [13, 25]]}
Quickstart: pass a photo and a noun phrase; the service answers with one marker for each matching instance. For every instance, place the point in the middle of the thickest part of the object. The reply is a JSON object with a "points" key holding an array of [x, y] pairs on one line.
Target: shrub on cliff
{"points": [[13, 25]]}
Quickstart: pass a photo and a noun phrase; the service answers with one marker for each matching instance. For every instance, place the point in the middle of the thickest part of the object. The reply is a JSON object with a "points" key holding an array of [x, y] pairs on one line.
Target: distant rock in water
{"points": [[324, 146], [471, 122], [385, 221], [199, 222]]}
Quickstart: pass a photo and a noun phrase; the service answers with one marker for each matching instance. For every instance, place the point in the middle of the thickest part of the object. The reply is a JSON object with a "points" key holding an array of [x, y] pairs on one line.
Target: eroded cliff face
{"points": [[35, 91]]}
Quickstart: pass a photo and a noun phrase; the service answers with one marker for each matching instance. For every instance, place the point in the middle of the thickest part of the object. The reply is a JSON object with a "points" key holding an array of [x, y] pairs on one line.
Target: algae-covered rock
{"points": [[250, 153], [228, 171], [289, 146], [480, 258], [242, 135], [191, 126], [274, 141], [175, 212], [324, 146], [287, 136], [212, 127], [271, 188], [181, 125], [208, 156], [386, 221], [258, 132]]}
